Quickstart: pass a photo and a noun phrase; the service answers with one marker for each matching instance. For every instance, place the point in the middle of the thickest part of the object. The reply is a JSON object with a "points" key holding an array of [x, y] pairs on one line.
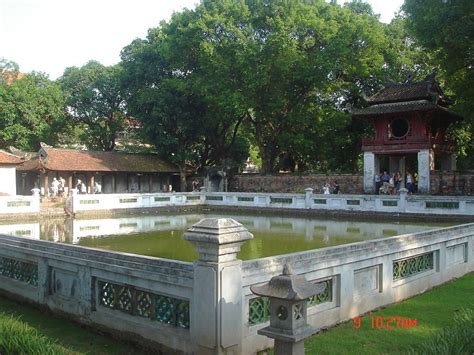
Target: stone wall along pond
{"points": [[207, 306]]}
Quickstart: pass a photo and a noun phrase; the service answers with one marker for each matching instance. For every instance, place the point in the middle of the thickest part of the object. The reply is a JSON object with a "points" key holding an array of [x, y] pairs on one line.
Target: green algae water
{"points": [[161, 235]]}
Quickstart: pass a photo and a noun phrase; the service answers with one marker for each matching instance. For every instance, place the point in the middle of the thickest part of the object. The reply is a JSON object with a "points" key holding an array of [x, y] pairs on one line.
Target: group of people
{"points": [[391, 184], [331, 188], [82, 188], [58, 187]]}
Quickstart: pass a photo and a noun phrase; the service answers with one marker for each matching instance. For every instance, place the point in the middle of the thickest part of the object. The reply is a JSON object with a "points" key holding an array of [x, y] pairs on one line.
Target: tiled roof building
{"points": [[9, 159], [55, 159], [114, 171]]}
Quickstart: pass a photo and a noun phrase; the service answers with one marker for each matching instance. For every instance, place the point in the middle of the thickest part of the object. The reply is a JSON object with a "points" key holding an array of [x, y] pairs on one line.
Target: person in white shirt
{"points": [[55, 187]]}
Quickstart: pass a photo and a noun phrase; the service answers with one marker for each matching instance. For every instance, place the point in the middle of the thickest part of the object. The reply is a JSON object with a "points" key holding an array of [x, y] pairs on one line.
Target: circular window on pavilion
{"points": [[399, 128]]}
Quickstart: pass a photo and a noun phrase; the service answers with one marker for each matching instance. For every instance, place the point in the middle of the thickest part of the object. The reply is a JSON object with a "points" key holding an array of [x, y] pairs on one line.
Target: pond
{"points": [[161, 235]]}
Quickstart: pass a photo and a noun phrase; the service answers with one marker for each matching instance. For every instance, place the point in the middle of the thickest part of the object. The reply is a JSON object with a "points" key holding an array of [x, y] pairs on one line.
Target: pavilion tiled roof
{"points": [[9, 159], [55, 159], [404, 92], [400, 107], [411, 96]]}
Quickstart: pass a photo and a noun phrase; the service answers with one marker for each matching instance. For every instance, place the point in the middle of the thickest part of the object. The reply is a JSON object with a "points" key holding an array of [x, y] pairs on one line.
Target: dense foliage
{"points": [[31, 110], [270, 80], [446, 28], [95, 101], [279, 75]]}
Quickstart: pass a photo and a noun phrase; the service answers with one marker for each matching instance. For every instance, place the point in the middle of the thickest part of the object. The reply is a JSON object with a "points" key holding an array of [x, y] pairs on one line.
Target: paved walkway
{"points": [[52, 207]]}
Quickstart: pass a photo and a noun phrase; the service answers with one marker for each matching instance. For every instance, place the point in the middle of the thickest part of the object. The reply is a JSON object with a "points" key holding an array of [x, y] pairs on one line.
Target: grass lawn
{"points": [[70, 337], [433, 310]]}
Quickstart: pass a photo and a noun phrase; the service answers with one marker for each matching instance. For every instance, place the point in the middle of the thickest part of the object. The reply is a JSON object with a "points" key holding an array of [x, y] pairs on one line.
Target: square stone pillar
{"points": [[217, 308], [308, 198], [425, 164], [369, 172]]}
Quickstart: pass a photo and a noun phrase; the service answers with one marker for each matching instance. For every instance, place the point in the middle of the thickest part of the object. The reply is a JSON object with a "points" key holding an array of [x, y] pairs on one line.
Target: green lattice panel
{"points": [[259, 307], [259, 310], [325, 296], [282, 200], [412, 266], [144, 306], [193, 198], [140, 303], [19, 270]]}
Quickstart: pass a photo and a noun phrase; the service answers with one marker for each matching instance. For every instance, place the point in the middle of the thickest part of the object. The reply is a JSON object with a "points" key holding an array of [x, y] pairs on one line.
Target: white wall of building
{"points": [[8, 180]]}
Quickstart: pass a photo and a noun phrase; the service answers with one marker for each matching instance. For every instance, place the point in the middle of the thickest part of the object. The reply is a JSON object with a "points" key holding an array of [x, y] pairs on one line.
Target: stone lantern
{"points": [[288, 294]]}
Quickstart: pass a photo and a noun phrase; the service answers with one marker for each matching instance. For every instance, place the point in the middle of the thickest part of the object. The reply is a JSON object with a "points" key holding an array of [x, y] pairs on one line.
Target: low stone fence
{"points": [[441, 183], [207, 307], [402, 203], [137, 295], [12, 205], [101, 202], [451, 183], [361, 277]]}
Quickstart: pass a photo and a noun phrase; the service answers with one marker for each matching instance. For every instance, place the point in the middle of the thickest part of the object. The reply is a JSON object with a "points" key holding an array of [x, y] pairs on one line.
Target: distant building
{"points": [[115, 172], [409, 121], [8, 163]]}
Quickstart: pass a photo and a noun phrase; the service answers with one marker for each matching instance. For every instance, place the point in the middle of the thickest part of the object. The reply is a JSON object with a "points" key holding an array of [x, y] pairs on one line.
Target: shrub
{"points": [[17, 337], [456, 339]]}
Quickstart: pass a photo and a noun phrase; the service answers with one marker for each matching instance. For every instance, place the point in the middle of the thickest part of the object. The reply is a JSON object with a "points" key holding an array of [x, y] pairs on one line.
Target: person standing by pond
{"points": [[410, 183], [378, 182], [54, 188]]}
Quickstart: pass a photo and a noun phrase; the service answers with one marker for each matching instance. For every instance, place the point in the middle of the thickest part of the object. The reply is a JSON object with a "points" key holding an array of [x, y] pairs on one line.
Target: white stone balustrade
{"points": [[402, 203], [20, 204]]}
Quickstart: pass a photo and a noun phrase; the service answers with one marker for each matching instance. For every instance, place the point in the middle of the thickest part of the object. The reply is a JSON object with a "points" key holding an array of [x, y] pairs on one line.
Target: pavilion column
{"points": [[369, 172], [150, 182], [69, 183], [402, 170], [425, 164], [114, 184], [45, 184], [91, 183]]}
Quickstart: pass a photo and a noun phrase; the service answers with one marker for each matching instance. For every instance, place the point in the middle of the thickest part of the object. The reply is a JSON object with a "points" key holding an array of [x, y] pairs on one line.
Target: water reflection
{"points": [[162, 235]]}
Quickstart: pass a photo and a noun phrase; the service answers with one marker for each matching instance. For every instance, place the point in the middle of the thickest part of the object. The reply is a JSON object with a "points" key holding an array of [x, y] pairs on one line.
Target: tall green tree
{"points": [[281, 75], [96, 102], [446, 27], [189, 116], [32, 110]]}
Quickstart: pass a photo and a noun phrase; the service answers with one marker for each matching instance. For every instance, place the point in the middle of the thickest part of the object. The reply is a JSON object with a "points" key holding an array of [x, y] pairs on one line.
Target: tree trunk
{"points": [[267, 153], [182, 178]]}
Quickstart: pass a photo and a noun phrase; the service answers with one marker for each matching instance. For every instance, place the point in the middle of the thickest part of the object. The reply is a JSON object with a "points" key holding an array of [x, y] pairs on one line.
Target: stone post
{"points": [[308, 197], [402, 206], [369, 172], [37, 199], [424, 168], [217, 308]]}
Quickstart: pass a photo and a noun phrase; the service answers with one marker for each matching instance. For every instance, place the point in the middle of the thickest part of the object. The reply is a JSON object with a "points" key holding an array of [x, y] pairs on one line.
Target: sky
{"points": [[51, 35]]}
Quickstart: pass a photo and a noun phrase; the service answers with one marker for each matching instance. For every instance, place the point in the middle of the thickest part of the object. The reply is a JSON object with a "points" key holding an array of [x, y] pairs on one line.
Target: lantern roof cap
{"points": [[289, 286]]}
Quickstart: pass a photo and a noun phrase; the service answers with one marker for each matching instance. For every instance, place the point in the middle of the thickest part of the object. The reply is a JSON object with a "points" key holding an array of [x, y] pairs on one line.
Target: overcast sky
{"points": [[50, 35]]}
